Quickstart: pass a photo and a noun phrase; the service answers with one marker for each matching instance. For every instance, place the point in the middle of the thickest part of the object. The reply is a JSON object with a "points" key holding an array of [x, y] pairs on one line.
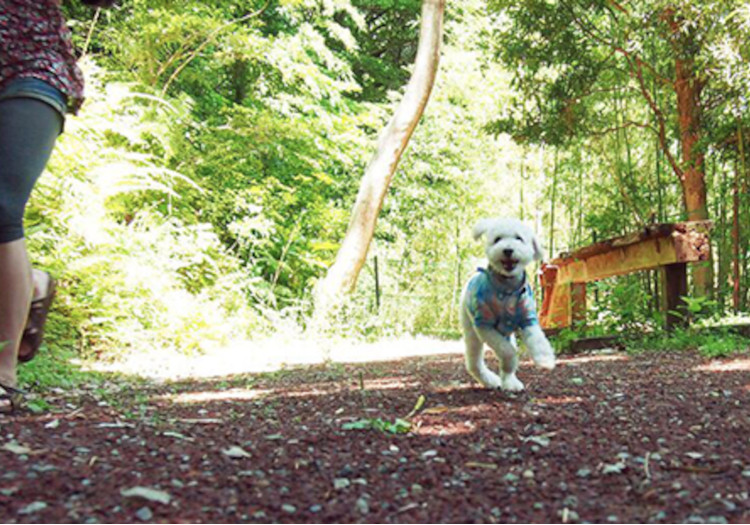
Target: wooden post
{"points": [[578, 303], [675, 287]]}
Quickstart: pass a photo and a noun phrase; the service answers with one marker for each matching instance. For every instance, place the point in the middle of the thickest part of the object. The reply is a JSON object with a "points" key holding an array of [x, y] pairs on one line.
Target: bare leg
{"points": [[28, 130], [16, 285]]}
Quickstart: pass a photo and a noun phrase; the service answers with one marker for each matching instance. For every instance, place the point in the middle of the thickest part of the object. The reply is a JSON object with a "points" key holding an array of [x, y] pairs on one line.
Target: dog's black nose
{"points": [[508, 252]]}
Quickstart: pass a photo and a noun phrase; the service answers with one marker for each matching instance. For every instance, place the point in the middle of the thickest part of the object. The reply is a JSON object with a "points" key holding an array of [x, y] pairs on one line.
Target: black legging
{"points": [[28, 130]]}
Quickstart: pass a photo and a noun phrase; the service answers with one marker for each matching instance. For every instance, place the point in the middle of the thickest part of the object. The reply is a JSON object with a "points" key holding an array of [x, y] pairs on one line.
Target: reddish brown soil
{"points": [[611, 438]]}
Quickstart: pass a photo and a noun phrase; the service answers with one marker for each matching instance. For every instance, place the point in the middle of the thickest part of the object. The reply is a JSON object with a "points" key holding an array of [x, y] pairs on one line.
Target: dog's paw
{"points": [[490, 380], [545, 361], [512, 384], [543, 354]]}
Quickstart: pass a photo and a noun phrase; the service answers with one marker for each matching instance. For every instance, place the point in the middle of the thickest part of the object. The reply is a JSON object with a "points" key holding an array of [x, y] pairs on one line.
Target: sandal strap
{"points": [[10, 390]]}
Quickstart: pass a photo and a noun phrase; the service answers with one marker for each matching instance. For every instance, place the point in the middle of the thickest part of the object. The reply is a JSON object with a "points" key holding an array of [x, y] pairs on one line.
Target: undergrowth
{"points": [[712, 343]]}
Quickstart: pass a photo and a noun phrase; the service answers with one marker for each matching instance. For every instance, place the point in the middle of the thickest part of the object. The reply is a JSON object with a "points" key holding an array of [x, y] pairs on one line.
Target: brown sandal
{"points": [[13, 397], [34, 332]]}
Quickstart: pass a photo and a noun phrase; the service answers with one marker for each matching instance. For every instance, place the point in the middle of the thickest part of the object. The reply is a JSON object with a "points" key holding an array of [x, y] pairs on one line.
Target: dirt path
{"points": [[609, 438]]}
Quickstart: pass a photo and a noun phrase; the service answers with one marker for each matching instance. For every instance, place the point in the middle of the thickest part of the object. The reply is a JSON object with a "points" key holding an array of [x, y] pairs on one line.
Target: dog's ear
{"points": [[538, 250], [480, 228]]}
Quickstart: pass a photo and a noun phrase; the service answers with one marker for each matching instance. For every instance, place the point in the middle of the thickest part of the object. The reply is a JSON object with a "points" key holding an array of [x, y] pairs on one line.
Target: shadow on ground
{"points": [[603, 438]]}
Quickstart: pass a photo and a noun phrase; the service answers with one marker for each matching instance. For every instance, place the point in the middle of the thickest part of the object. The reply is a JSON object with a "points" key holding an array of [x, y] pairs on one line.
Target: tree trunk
{"points": [[736, 240], [342, 276], [740, 185], [689, 88], [553, 203]]}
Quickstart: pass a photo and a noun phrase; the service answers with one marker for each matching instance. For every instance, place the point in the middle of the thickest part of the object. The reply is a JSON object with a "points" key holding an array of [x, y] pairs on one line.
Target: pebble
{"points": [[528, 474], [510, 477], [144, 514], [583, 473], [341, 483], [362, 506], [31, 508], [316, 508], [290, 509]]}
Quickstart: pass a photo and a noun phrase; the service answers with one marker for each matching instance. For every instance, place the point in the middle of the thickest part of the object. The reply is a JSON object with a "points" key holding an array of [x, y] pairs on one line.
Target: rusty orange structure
{"points": [[669, 247]]}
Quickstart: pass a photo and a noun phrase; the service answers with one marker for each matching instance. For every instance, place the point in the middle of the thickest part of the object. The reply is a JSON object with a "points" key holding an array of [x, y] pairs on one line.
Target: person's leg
{"points": [[15, 297], [28, 130]]}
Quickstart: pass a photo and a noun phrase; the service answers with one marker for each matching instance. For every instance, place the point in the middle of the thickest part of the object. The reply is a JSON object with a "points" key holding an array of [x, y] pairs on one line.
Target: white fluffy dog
{"points": [[498, 301]]}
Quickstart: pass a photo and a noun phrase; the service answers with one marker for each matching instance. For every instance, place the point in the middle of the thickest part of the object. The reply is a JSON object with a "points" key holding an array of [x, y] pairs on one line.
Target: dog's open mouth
{"points": [[509, 264]]}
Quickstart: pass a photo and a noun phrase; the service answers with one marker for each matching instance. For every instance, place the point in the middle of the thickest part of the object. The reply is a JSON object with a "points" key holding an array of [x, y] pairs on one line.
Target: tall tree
{"points": [[342, 276], [572, 56]]}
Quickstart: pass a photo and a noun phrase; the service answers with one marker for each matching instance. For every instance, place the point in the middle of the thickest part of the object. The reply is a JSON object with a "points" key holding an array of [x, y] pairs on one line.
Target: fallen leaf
{"points": [[201, 421], [116, 424], [542, 441], [419, 404], [436, 410], [158, 496], [236, 452], [476, 464], [176, 435], [31, 508], [613, 468], [17, 449]]}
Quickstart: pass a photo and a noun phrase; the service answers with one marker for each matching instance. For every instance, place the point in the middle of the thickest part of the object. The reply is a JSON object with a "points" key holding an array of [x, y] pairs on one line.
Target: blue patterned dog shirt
{"points": [[492, 304]]}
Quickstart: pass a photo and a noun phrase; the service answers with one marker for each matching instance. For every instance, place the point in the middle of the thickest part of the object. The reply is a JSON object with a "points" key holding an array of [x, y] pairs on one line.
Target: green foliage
{"points": [[398, 426], [208, 181], [711, 343], [132, 275], [622, 305]]}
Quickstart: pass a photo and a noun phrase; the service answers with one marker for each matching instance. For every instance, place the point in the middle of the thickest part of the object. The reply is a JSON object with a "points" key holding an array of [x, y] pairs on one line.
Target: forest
{"points": [[205, 188], [261, 222]]}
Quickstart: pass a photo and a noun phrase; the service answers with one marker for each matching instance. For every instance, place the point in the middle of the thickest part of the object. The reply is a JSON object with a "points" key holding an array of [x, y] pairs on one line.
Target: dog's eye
{"points": [[497, 240], [519, 238]]}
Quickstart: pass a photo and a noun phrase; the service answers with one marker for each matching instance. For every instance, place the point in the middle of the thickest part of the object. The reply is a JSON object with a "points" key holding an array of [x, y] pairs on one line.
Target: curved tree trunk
{"points": [[342, 276]]}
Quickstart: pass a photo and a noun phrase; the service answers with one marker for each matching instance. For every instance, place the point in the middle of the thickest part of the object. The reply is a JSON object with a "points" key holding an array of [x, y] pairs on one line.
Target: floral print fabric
{"points": [[36, 43]]}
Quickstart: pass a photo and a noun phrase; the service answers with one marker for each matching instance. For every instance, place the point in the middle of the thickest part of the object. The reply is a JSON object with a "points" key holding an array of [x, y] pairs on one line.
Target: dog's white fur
{"points": [[506, 241]]}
